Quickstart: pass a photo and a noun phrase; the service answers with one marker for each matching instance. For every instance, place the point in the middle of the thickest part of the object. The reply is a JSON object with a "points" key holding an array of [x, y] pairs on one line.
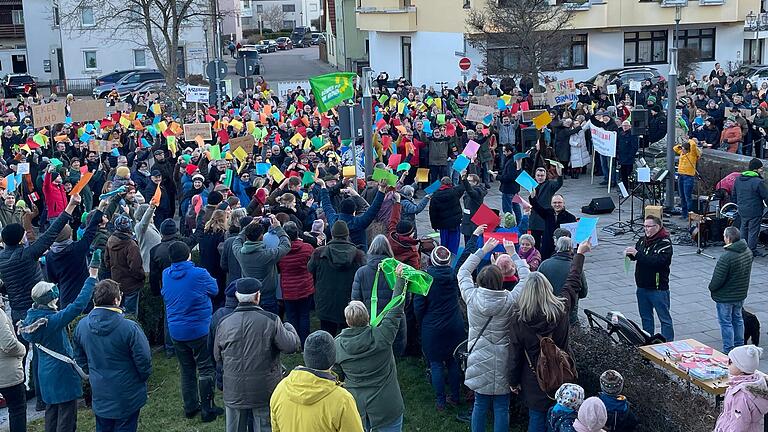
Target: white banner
{"points": [[604, 141], [197, 94], [284, 86]]}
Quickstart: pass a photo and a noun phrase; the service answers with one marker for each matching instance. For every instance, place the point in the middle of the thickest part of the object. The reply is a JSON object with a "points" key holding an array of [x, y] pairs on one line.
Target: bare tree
{"points": [[521, 37], [156, 25], [273, 17], [687, 62]]}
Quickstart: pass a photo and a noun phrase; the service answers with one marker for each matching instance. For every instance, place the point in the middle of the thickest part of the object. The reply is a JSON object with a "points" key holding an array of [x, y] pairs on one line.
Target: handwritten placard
{"points": [[48, 114], [88, 110], [191, 130]]}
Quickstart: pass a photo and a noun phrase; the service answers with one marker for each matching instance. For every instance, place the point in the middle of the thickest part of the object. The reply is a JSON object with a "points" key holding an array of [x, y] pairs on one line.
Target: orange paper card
{"points": [[84, 179], [155, 201]]}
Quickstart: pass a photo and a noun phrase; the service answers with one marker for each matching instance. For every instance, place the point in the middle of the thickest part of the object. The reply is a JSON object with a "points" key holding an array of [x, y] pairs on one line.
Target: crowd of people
{"points": [[243, 246]]}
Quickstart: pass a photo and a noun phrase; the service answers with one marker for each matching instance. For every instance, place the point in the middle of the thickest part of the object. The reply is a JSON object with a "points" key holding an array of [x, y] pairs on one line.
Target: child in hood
{"points": [[562, 415], [592, 416], [620, 417], [746, 400]]}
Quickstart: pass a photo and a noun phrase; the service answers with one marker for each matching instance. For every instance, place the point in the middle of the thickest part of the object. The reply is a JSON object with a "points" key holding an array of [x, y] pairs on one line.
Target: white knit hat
{"points": [[746, 358]]}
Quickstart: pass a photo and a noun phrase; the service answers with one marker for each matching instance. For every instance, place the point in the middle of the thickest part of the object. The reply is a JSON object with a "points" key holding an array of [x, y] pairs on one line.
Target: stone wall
{"points": [[716, 164]]}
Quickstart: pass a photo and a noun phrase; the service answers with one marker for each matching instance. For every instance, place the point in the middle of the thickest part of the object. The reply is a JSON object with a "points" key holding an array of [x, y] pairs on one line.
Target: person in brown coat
{"points": [[123, 259], [539, 313], [401, 237]]}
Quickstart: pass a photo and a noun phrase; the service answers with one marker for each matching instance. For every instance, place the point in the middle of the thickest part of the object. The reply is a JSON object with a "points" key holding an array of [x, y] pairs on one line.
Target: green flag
{"points": [[332, 89]]}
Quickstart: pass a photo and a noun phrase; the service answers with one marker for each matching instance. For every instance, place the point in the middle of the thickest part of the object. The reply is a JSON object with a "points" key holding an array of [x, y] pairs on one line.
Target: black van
{"points": [[301, 37]]}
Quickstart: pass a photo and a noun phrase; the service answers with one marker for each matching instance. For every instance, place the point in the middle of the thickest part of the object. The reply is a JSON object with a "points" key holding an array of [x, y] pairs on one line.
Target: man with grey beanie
{"points": [[311, 397]]}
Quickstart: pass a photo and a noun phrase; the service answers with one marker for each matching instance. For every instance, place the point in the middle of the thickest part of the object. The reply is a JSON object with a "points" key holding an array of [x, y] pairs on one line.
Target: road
{"points": [[297, 64]]}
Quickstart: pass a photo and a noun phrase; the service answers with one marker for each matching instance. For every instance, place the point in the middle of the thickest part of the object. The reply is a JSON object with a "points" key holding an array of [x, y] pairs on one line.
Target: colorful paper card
{"points": [[240, 154], [519, 156], [432, 188], [500, 236], [405, 166], [380, 174], [422, 175], [262, 168], [215, 152], [470, 150], [461, 163], [308, 178], [84, 179], [485, 216], [520, 200], [228, 177], [394, 160], [526, 181], [349, 171], [155, 201], [441, 119], [276, 174], [542, 120]]}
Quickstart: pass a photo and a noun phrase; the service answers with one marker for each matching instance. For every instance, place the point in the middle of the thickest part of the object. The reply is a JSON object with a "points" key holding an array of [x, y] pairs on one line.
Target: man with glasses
{"points": [[653, 255]]}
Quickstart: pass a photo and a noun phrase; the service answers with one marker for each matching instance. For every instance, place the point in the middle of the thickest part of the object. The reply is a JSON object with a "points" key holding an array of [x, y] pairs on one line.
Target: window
{"points": [[648, 47], [90, 60], [753, 51], [405, 43], [260, 8], [575, 56], [289, 8], [139, 58], [56, 19], [86, 17], [246, 21], [289, 24], [18, 17], [702, 40], [467, 4]]}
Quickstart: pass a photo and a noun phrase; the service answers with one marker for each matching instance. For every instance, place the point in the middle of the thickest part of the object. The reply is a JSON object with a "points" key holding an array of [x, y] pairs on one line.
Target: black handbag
{"points": [[461, 354]]}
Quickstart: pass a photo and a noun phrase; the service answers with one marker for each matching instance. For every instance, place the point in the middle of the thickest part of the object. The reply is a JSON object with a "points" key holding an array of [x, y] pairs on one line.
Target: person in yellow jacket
{"points": [[686, 173], [311, 398]]}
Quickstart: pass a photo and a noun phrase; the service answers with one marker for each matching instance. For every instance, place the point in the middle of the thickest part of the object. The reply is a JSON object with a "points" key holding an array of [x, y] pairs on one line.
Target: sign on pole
{"points": [[197, 94], [604, 141], [48, 114], [191, 130], [464, 64], [561, 92]]}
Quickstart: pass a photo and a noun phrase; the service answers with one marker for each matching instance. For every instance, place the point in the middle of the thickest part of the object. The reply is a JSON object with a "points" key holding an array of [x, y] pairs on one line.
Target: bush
{"points": [[660, 400]]}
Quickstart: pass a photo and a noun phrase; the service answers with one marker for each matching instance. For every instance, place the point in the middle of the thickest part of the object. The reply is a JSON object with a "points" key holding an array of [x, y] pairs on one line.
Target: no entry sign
{"points": [[464, 63]]}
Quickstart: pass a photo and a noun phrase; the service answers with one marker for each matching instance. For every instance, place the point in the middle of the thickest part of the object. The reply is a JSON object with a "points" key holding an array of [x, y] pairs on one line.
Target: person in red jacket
{"points": [[401, 237], [54, 193], [296, 281]]}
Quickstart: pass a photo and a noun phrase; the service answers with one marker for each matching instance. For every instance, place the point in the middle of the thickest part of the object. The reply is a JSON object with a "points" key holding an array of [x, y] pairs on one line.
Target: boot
{"points": [[208, 411]]}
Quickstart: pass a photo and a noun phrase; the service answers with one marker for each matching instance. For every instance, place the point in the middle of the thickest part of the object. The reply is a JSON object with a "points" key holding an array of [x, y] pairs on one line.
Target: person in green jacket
{"points": [[729, 285], [364, 354]]}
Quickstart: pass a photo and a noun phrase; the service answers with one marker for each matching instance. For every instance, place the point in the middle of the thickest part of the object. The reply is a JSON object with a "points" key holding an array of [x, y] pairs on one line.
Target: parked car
{"points": [[625, 75], [18, 84], [114, 77], [130, 82], [753, 73], [318, 38], [301, 37], [284, 43], [262, 48], [272, 44]]}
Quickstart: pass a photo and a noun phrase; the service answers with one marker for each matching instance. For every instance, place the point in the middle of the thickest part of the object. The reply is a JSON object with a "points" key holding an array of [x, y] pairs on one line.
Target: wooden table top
{"points": [[714, 387]]}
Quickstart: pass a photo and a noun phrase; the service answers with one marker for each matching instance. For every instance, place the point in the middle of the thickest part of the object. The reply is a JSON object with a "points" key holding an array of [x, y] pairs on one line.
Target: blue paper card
{"points": [[526, 181], [10, 180], [461, 163], [85, 138], [115, 152], [584, 229], [432, 188], [500, 104], [262, 168], [519, 156]]}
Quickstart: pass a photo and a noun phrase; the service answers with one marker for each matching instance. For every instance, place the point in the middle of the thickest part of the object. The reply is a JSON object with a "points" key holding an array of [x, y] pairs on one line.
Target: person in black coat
{"points": [[442, 326], [507, 185], [445, 212], [562, 141], [473, 199], [165, 209], [626, 148], [553, 216], [657, 125]]}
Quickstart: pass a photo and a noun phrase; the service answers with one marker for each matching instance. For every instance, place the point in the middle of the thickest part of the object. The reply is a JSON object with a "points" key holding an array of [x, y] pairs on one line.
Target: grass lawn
{"points": [[164, 412]]}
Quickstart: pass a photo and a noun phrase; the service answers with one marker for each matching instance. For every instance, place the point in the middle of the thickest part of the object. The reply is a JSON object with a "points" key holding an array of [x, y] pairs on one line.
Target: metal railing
{"points": [[11, 31], [76, 86]]}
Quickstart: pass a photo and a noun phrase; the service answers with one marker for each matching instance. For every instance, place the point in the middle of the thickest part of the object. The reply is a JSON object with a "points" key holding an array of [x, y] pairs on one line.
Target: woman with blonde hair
{"points": [[214, 234], [538, 313]]}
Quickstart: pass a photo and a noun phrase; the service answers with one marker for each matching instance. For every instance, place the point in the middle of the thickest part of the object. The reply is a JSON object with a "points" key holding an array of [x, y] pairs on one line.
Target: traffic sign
{"points": [[246, 83], [245, 67], [464, 63], [210, 69]]}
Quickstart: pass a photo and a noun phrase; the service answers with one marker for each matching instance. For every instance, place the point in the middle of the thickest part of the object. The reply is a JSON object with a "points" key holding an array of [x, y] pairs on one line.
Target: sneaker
{"points": [[465, 416], [39, 405]]}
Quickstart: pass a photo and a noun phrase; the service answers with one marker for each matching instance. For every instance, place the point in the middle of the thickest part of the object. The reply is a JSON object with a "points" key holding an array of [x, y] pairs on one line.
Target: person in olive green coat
{"points": [[364, 353], [729, 285]]}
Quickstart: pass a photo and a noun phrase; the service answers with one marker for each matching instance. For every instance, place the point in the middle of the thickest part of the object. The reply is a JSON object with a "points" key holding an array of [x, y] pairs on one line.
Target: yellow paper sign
{"points": [[156, 109], [276, 173], [541, 120], [199, 140], [236, 124], [296, 140], [349, 171], [240, 154], [162, 126], [422, 175], [124, 122], [251, 125]]}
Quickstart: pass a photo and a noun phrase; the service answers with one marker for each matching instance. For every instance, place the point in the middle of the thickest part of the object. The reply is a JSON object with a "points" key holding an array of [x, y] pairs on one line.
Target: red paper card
{"points": [[524, 106], [223, 137], [484, 215], [500, 236], [394, 161], [380, 124], [386, 142]]}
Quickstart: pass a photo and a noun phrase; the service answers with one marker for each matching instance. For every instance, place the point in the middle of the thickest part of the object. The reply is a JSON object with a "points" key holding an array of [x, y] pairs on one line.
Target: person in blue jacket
{"points": [[115, 353], [347, 212], [187, 293], [46, 327]]}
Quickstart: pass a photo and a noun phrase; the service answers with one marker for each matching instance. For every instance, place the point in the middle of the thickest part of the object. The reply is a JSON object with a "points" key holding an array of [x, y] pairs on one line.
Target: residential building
{"points": [[423, 40], [287, 13], [231, 25], [72, 45], [346, 44], [13, 55]]}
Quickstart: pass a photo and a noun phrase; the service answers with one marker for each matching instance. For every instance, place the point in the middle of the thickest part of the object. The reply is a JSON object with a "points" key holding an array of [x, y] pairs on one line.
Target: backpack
{"points": [[554, 366]]}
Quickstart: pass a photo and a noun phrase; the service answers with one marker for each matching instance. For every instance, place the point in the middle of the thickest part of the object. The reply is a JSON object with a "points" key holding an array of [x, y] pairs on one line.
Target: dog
{"points": [[751, 328]]}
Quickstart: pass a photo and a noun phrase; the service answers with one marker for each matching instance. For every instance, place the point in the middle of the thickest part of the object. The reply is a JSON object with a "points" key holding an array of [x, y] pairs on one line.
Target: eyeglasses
{"points": [[649, 226]]}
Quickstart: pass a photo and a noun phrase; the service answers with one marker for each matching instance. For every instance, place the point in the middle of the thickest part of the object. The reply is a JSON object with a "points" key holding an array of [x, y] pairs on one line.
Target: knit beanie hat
{"points": [[12, 234], [318, 226], [168, 227], [755, 164], [570, 396], [508, 220], [507, 266], [123, 172], [248, 285], [178, 251], [592, 416], [215, 197], [746, 358], [261, 195], [404, 227], [440, 256], [190, 168], [340, 230], [319, 350], [611, 382], [123, 224]]}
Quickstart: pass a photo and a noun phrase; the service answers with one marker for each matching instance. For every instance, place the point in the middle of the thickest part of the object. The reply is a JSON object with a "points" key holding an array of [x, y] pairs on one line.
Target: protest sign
{"points": [[191, 130], [197, 94], [561, 92], [680, 91], [88, 110], [245, 142], [48, 114], [528, 116], [487, 100], [539, 99], [603, 141], [84, 179], [485, 216], [611, 89], [100, 146], [23, 168], [477, 112], [635, 85]]}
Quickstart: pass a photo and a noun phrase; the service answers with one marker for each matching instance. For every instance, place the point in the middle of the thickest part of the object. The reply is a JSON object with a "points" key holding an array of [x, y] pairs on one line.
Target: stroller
{"points": [[622, 329]]}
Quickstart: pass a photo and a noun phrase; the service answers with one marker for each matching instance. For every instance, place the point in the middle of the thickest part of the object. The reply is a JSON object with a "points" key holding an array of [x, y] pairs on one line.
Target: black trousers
{"points": [[16, 400], [61, 417]]}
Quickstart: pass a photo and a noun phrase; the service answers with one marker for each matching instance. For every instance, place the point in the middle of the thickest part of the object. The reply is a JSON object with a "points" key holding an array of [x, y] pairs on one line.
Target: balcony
{"points": [[11, 31], [386, 16]]}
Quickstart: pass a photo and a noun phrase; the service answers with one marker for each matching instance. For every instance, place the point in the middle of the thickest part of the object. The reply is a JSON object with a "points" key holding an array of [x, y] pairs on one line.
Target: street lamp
{"points": [[669, 198], [751, 21]]}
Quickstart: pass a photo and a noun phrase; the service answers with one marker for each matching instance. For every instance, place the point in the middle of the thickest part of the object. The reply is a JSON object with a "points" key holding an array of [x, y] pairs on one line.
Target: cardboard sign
{"points": [[48, 114], [680, 91], [528, 116], [477, 112], [539, 99], [100, 146], [487, 100], [197, 94], [635, 85], [88, 110], [245, 142], [561, 92], [191, 130]]}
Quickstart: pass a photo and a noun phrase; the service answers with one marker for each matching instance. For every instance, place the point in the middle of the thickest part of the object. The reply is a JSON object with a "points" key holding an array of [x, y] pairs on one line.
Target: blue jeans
{"points": [[131, 303], [451, 238], [537, 421], [649, 300], [297, 313], [500, 412], [438, 380], [396, 426], [685, 189], [508, 206], [126, 424], [731, 324]]}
